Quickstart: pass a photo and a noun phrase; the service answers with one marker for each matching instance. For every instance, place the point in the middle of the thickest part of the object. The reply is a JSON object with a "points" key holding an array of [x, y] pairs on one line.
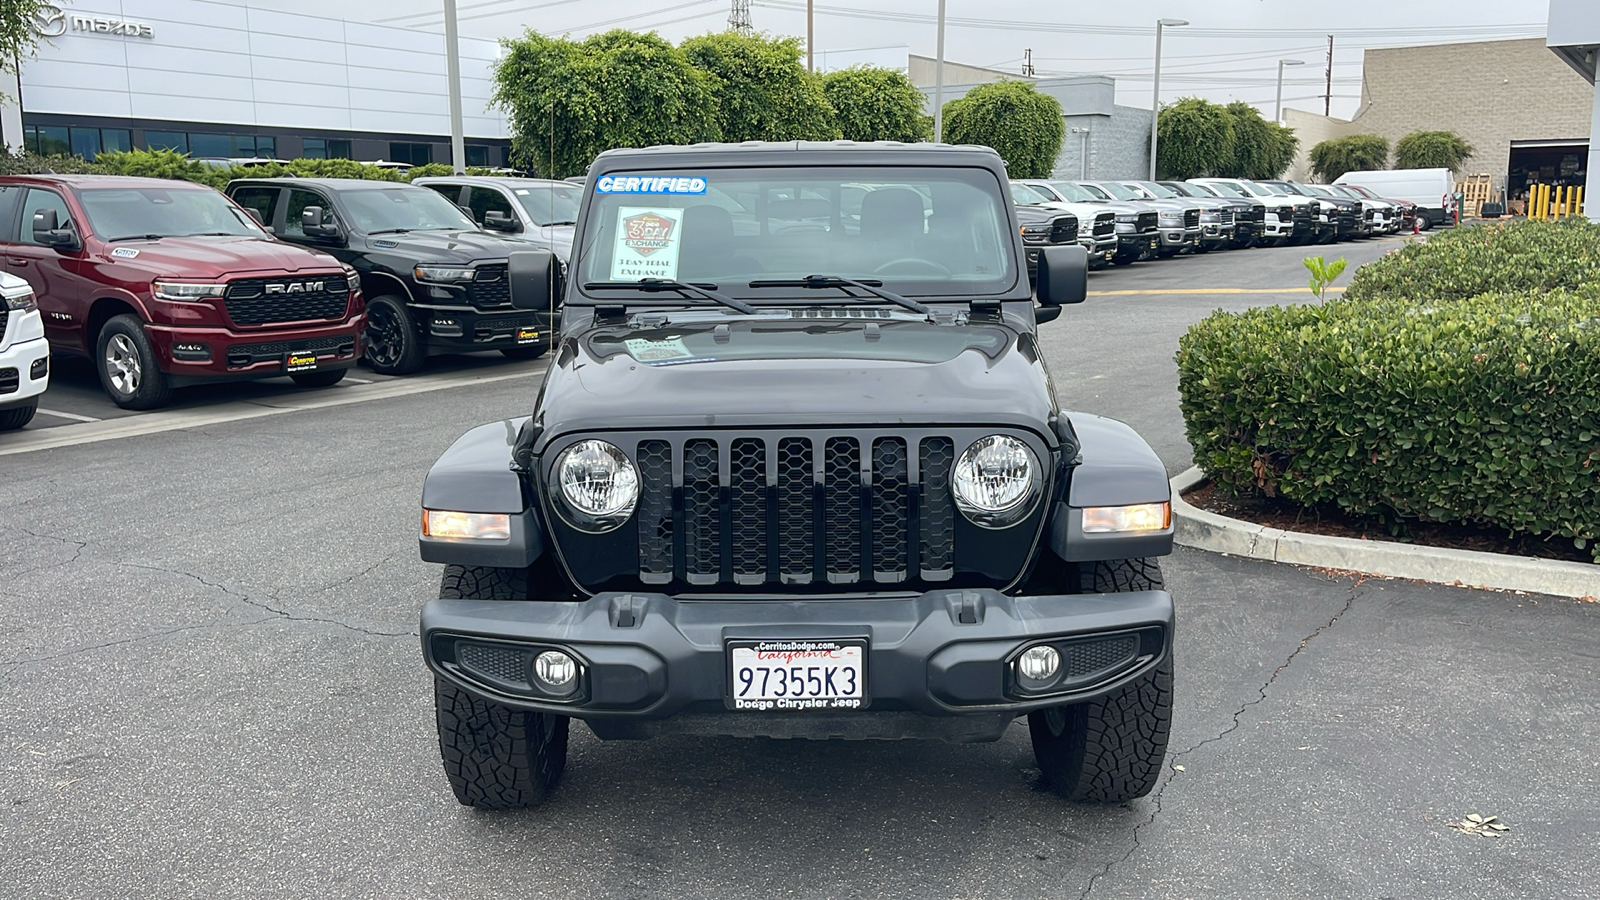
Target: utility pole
{"points": [[810, 15], [1327, 98], [739, 18], [938, 80], [1155, 104], [452, 56], [1027, 62]]}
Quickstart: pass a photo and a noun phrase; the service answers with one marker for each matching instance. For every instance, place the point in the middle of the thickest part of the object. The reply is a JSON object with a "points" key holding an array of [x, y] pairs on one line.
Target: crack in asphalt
{"points": [[1173, 758], [79, 547], [280, 613], [361, 574], [13, 665]]}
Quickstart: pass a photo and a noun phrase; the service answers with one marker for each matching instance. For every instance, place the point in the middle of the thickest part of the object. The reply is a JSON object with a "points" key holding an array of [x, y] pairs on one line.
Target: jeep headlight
{"points": [[597, 484], [996, 481]]}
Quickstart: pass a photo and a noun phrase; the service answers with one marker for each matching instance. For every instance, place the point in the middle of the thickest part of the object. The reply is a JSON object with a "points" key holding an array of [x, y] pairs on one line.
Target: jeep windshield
{"points": [[119, 214], [396, 210], [939, 233]]}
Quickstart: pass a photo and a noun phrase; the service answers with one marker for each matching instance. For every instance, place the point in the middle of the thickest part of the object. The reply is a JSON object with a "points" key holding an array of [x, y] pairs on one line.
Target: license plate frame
{"points": [[810, 658], [302, 361]]}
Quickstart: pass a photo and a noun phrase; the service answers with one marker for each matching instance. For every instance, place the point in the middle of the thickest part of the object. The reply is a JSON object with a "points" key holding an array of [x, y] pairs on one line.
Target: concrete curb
{"points": [[1468, 568]]}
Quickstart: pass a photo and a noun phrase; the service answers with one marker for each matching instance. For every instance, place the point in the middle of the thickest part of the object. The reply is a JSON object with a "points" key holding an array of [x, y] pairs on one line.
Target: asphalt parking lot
{"points": [[214, 688]]}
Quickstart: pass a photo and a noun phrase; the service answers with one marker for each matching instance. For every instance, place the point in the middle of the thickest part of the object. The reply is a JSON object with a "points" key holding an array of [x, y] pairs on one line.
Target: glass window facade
{"points": [[324, 148], [415, 154], [478, 156]]}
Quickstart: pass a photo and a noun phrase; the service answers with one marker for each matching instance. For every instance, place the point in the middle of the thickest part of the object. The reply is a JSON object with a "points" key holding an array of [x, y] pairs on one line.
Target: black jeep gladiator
{"points": [[798, 470]]}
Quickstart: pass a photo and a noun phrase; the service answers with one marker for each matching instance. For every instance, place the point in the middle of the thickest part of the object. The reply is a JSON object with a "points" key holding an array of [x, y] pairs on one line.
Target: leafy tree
{"points": [[569, 101], [1356, 152], [1432, 150], [1021, 124], [762, 91], [873, 104], [1196, 137], [18, 36], [1261, 149]]}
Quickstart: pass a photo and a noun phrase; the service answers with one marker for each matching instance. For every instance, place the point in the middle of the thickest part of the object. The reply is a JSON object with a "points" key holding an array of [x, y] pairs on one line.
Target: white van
{"points": [[24, 354], [1432, 190]]}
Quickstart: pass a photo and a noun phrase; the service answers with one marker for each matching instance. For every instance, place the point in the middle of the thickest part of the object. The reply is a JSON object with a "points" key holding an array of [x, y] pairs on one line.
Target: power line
{"points": [[434, 13]]}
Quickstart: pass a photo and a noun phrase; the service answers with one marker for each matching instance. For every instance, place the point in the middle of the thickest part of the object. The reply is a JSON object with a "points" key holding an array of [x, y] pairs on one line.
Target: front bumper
{"points": [[24, 372], [1139, 245], [938, 664], [191, 354], [468, 329]]}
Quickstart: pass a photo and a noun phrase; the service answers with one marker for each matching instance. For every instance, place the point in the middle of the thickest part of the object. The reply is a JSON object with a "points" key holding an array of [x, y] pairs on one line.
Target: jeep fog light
{"points": [[1039, 663], [556, 672], [598, 483], [438, 523], [1138, 517], [996, 481]]}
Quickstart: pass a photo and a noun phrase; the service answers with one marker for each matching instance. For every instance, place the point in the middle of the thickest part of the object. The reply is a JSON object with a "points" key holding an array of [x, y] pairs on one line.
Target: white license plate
{"points": [[797, 675]]}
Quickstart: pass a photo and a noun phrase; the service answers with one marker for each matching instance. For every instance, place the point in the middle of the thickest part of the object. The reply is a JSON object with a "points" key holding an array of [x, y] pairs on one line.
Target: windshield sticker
{"points": [[125, 252], [650, 184], [647, 243], [648, 351]]}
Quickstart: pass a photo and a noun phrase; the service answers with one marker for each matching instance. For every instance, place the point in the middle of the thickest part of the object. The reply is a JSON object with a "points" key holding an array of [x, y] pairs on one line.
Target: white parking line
{"points": [[178, 419], [356, 380], [66, 415]]}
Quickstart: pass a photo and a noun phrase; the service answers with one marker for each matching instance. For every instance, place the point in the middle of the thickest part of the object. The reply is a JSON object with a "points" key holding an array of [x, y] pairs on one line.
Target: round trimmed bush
{"points": [[1482, 411]]}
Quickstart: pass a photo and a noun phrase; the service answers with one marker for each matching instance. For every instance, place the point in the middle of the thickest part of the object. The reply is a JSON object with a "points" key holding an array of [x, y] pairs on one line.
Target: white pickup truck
{"points": [[24, 353]]}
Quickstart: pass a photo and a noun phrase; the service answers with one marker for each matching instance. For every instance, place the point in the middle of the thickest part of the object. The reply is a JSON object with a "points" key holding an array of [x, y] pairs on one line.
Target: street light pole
{"points": [[1277, 108], [452, 55], [1155, 105], [938, 80]]}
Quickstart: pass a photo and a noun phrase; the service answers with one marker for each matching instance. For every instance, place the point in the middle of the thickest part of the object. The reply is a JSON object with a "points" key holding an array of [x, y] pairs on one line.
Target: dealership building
{"points": [[219, 78]]}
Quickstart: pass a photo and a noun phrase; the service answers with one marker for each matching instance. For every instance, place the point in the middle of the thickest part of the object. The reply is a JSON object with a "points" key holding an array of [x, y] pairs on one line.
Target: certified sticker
{"points": [[647, 243], [647, 351], [650, 184], [125, 253]]}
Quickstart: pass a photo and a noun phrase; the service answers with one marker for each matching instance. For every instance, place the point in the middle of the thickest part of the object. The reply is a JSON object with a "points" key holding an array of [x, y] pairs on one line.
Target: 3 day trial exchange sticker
{"points": [[647, 351], [647, 243]]}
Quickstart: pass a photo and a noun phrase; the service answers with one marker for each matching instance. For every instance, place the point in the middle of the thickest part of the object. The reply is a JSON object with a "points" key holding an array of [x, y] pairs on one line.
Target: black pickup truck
{"points": [[434, 281], [798, 470]]}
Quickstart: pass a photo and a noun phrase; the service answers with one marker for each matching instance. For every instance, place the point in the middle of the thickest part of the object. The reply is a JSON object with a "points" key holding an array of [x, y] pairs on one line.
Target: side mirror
{"points": [[319, 223], [1063, 278], [532, 277], [47, 230], [498, 220]]}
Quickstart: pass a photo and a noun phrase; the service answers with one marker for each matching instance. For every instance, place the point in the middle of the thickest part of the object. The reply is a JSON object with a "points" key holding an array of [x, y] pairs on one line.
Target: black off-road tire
{"points": [[394, 346], [497, 757], [16, 417], [149, 388], [527, 351], [319, 379], [1109, 750]]}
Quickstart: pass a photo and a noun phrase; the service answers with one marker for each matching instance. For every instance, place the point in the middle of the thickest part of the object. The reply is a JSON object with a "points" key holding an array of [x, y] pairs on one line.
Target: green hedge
{"points": [[1514, 257], [1484, 411], [171, 164]]}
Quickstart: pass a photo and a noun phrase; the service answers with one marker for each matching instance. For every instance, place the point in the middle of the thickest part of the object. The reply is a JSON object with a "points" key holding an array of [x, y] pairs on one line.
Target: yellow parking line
{"points": [[1332, 290]]}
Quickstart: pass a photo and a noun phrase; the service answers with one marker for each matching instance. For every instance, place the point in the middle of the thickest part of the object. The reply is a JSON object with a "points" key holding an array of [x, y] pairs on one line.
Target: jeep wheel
{"points": [[127, 365], [320, 379], [529, 351], [496, 757], [12, 419], [393, 345], [1110, 749]]}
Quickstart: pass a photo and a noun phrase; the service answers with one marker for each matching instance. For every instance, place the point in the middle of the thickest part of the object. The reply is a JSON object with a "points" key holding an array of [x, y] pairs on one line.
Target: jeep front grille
{"points": [[252, 301], [795, 510]]}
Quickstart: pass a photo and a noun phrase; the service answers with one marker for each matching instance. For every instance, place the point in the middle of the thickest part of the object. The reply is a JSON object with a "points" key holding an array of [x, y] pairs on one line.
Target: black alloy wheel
{"points": [[393, 345]]}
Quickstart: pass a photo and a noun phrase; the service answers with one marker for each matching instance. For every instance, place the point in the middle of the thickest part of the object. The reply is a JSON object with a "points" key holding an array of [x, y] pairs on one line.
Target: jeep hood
{"points": [[199, 258], [891, 372]]}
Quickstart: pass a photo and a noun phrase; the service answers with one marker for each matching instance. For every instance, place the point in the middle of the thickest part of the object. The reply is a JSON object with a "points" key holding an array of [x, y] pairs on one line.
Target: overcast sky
{"points": [[1229, 51]]}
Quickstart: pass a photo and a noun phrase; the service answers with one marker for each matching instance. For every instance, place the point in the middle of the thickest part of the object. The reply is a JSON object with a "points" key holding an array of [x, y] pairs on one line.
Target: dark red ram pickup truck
{"points": [[165, 283]]}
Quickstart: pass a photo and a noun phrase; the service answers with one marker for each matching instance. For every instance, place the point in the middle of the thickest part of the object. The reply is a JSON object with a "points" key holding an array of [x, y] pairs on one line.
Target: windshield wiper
{"points": [[137, 237], [666, 284], [548, 224], [873, 287]]}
